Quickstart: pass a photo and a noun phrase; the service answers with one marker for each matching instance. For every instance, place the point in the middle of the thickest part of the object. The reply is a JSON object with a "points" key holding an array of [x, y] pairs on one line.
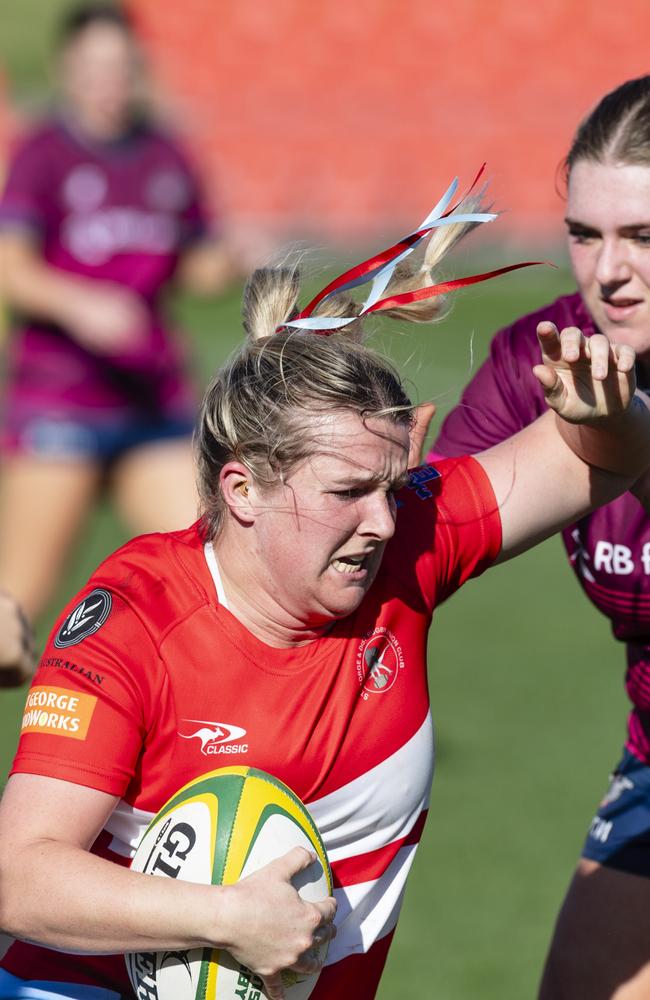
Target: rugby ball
{"points": [[216, 830]]}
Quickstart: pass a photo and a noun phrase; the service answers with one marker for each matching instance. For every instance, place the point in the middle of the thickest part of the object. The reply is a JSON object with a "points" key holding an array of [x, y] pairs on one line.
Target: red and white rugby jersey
{"points": [[149, 681]]}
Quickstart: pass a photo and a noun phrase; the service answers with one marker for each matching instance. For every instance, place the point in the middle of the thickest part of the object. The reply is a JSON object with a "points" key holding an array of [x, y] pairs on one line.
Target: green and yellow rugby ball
{"points": [[216, 830]]}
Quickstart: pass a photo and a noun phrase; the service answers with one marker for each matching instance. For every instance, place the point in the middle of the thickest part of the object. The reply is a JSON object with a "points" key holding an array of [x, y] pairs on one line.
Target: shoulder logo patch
{"points": [[84, 620], [418, 479]]}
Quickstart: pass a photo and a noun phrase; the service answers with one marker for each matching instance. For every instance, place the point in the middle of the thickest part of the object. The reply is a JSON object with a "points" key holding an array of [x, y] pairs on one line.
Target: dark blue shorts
{"points": [[55, 436], [619, 835]]}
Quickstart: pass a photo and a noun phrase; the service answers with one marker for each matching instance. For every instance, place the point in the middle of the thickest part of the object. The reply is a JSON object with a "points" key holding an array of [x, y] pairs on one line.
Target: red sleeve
{"points": [[25, 191], [449, 519], [502, 398], [93, 696]]}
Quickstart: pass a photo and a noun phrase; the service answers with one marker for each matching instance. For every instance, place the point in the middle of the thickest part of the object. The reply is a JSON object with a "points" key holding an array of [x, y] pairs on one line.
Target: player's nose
{"points": [[613, 264], [378, 518]]}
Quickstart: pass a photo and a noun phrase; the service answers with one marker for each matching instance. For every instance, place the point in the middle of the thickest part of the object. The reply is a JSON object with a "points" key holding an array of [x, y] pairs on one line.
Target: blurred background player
{"points": [[602, 937], [100, 211]]}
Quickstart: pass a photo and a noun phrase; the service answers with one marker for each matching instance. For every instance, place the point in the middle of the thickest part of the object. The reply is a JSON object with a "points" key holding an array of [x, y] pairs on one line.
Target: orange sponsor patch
{"points": [[58, 711]]}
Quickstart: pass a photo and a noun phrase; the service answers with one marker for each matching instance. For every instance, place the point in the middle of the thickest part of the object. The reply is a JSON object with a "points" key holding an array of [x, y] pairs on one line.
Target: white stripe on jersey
{"points": [[368, 911], [380, 806]]}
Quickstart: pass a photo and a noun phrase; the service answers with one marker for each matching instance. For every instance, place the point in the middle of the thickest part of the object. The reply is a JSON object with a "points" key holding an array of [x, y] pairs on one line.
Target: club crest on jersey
{"points": [[84, 620], [379, 661], [216, 738]]}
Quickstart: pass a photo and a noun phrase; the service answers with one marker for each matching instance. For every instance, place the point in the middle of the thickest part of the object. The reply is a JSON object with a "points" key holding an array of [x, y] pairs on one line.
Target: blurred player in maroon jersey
{"points": [[603, 932], [101, 209]]}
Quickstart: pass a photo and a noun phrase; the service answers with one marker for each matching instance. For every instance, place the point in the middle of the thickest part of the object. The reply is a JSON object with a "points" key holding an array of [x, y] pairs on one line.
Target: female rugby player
{"points": [[291, 622], [602, 937]]}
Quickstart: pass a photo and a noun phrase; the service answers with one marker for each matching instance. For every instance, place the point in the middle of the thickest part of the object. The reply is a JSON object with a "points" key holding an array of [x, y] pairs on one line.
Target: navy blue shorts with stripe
{"points": [[619, 835]]}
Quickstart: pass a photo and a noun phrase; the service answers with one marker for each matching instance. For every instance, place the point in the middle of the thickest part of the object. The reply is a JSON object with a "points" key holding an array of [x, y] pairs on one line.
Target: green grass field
{"points": [[525, 679]]}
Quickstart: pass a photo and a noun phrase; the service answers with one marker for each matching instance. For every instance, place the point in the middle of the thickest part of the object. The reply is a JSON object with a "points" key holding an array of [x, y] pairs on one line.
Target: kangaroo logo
{"points": [[216, 737]]}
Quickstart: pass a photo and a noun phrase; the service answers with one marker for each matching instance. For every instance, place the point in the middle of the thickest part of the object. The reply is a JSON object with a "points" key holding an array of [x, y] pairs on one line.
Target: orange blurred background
{"points": [[340, 118]]}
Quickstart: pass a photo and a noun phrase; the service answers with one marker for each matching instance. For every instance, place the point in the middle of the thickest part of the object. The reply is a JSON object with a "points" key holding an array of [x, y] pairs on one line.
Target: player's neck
{"points": [[256, 605], [98, 128]]}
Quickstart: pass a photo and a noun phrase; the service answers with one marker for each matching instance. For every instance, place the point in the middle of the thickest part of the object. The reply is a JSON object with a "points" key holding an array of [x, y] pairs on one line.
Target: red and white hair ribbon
{"points": [[380, 268]]}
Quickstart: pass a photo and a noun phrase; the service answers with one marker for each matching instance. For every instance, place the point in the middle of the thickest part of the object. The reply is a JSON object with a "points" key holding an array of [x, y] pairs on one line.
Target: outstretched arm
{"points": [[101, 315], [586, 453]]}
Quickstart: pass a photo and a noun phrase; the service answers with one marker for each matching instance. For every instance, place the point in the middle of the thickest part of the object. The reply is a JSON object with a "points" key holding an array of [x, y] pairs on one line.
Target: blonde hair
{"points": [[260, 406]]}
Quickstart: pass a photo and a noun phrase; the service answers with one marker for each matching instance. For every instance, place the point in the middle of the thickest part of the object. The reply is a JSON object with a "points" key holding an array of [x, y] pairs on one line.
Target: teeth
{"points": [[347, 566]]}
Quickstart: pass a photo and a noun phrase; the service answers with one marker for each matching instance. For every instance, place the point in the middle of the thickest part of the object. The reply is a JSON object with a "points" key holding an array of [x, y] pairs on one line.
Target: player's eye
{"points": [[643, 239], [351, 494], [578, 234]]}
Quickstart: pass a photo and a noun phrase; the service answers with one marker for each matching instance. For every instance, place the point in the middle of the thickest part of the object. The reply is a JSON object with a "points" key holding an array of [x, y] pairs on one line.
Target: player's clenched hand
{"points": [[270, 928], [16, 644], [106, 318], [585, 380]]}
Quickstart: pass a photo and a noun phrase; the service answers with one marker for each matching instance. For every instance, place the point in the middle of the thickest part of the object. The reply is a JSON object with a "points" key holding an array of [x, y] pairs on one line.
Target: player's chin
{"points": [[344, 597], [341, 605], [632, 329]]}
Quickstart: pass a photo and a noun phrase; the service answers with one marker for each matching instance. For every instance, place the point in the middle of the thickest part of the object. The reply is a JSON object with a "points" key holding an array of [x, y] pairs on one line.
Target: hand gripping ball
{"points": [[216, 830]]}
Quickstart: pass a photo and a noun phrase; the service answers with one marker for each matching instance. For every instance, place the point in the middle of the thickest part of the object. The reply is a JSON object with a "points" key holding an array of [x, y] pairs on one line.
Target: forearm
{"points": [[31, 286], [618, 444], [61, 896], [542, 483]]}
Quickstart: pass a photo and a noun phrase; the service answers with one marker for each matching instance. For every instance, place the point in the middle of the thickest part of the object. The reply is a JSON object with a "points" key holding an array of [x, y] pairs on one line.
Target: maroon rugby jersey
{"points": [[149, 681], [609, 549], [118, 212]]}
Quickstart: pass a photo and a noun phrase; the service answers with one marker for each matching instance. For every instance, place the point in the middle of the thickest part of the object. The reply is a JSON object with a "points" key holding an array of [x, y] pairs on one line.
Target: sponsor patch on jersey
{"points": [[379, 661], [58, 711], [216, 738], [84, 620], [419, 478], [58, 663]]}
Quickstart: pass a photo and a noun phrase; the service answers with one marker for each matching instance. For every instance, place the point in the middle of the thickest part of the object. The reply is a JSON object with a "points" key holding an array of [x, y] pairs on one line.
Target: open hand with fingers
{"points": [[584, 379], [271, 928]]}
